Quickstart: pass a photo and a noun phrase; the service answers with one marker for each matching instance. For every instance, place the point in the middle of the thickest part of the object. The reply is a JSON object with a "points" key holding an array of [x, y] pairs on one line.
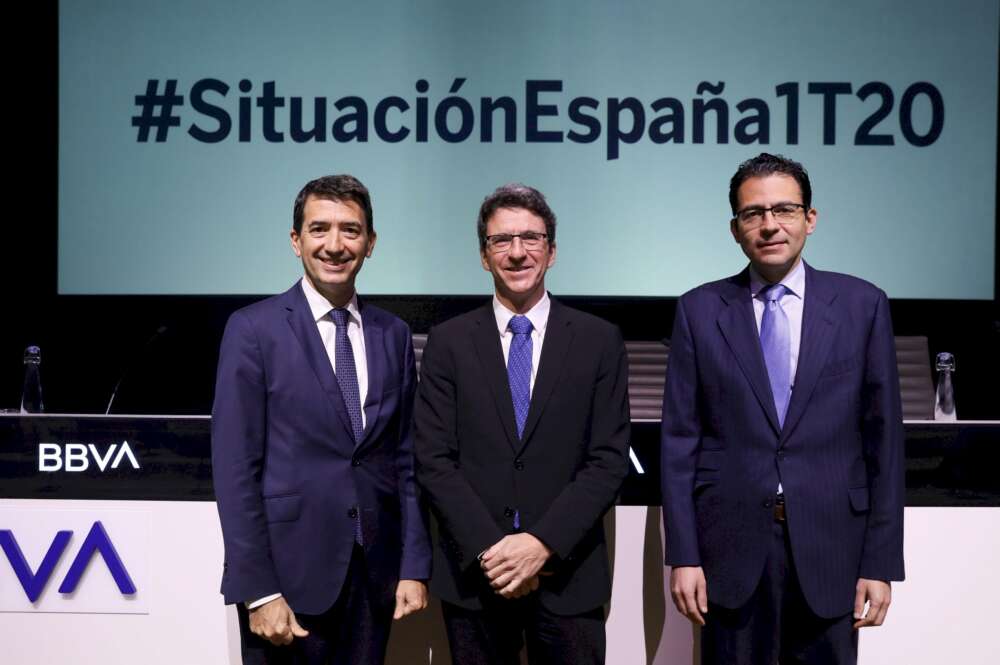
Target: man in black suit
{"points": [[522, 428]]}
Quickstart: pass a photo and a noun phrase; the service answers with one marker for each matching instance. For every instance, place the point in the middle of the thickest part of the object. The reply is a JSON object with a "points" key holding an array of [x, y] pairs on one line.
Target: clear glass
{"points": [[944, 399]]}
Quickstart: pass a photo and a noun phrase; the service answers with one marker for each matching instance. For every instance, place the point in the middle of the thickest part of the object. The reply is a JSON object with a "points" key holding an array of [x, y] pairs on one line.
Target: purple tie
{"points": [[519, 369], [775, 342]]}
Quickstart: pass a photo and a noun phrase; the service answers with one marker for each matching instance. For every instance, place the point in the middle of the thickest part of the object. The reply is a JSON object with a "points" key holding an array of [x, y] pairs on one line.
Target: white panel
{"points": [[943, 613], [34, 531]]}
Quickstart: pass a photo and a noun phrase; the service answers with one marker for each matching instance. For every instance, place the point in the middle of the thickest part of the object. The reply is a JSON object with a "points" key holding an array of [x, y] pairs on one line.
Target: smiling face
{"points": [[518, 272], [333, 245], [773, 248]]}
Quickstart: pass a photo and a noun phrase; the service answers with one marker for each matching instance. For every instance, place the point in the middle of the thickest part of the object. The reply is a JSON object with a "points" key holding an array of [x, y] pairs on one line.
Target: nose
{"points": [[333, 242], [516, 250], [768, 223]]}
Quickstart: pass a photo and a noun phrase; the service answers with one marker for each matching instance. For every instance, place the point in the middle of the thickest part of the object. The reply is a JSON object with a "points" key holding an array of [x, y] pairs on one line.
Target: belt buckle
{"points": [[779, 508]]}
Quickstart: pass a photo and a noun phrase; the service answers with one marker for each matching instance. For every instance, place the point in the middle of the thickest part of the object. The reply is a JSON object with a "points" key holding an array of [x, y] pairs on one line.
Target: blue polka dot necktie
{"points": [[519, 369], [347, 378], [776, 343], [347, 374]]}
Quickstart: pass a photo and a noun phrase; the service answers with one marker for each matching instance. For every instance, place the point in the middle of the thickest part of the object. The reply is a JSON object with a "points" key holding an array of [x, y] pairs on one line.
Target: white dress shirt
{"points": [[791, 302], [321, 308], [539, 317]]}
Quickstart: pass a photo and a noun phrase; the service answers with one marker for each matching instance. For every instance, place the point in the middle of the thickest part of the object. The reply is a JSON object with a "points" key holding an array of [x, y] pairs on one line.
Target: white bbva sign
{"points": [[76, 457]]}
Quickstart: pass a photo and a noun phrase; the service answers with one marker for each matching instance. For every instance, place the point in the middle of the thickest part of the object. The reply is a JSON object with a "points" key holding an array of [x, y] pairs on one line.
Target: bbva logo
{"points": [[97, 541], [77, 456]]}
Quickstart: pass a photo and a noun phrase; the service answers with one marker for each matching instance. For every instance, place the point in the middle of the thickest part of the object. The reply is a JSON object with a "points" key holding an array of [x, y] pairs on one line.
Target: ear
{"points": [[552, 256], [734, 229], [485, 262], [371, 244], [296, 247], [811, 218]]}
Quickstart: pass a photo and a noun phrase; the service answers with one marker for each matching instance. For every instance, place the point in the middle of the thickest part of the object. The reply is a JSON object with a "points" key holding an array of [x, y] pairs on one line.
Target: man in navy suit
{"points": [[312, 455], [782, 446]]}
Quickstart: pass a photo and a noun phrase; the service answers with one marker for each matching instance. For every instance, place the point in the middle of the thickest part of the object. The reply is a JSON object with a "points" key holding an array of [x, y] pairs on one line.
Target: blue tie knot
{"points": [[773, 292], [520, 325], [340, 316]]}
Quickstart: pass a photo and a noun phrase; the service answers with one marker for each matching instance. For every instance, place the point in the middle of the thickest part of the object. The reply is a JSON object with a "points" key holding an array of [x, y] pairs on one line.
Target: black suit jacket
{"points": [[839, 455], [562, 476]]}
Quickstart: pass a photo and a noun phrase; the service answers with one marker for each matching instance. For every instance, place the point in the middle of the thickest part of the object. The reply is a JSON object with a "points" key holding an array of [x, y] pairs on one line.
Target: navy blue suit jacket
{"points": [[839, 456], [288, 475]]}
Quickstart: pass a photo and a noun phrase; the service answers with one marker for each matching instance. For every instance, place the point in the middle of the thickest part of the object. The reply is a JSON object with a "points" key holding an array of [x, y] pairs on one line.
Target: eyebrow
{"points": [[323, 222]]}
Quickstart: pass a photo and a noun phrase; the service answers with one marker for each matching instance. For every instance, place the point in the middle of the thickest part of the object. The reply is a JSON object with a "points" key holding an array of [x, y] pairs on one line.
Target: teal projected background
{"points": [[616, 114]]}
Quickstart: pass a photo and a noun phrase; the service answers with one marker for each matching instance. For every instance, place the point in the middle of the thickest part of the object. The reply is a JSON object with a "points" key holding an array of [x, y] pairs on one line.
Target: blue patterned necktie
{"points": [[347, 378], [347, 374], [775, 342], [519, 369]]}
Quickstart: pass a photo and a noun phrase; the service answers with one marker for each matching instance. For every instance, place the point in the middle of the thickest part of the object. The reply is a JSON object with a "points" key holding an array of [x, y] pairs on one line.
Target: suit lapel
{"points": [[304, 327], [558, 338], [372, 325], [739, 328], [486, 340], [818, 326]]}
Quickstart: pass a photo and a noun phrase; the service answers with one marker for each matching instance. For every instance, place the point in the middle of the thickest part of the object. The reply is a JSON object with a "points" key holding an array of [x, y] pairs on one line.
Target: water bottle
{"points": [[944, 401], [31, 397]]}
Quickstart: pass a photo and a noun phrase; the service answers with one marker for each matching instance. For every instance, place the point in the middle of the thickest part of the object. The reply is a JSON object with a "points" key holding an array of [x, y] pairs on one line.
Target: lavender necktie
{"points": [[775, 342], [519, 369]]}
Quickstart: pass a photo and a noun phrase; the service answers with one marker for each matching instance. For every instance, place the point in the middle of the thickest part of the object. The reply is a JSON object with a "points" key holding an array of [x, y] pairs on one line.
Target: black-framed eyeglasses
{"points": [[782, 213], [501, 242]]}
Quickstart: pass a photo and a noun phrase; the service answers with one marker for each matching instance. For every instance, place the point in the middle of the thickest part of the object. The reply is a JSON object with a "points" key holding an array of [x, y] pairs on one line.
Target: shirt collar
{"points": [[538, 315], [319, 306], [795, 281]]}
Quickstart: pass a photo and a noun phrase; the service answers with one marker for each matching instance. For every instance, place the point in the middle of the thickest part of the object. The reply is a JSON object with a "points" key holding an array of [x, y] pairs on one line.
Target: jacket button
{"points": [[767, 503], [352, 513], [519, 465], [355, 462], [508, 512]]}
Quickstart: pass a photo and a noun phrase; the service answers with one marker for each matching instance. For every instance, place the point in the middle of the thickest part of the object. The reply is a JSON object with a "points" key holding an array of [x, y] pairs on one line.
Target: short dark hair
{"points": [[334, 188], [516, 195], [766, 164]]}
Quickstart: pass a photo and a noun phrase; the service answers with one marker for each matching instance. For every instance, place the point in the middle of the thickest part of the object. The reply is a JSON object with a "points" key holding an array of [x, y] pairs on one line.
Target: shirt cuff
{"points": [[262, 601]]}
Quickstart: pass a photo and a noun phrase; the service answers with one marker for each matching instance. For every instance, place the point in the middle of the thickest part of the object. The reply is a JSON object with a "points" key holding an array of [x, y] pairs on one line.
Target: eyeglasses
{"points": [[501, 242], [783, 213]]}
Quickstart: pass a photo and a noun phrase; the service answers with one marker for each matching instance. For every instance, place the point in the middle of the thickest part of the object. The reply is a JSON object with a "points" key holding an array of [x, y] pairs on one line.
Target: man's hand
{"points": [[275, 622], [690, 592], [879, 595], [512, 564], [530, 585], [411, 596]]}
